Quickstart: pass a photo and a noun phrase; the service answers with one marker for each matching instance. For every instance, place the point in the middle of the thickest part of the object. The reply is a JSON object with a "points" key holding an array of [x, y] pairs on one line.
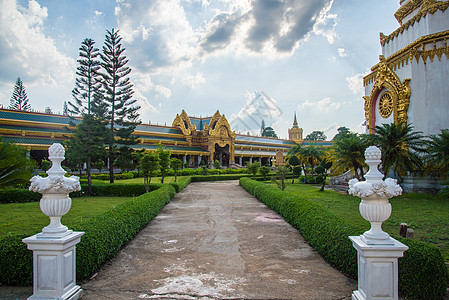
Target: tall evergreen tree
{"points": [[122, 113], [65, 109], [87, 102], [88, 82], [19, 99]]}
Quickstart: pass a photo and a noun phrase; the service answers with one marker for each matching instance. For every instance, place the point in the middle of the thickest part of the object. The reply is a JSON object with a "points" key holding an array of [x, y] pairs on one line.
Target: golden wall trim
{"points": [[428, 6], [424, 48], [406, 9], [400, 93]]}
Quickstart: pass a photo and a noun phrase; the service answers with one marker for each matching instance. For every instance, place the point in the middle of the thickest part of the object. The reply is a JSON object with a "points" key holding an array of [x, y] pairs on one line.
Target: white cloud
{"points": [[25, 50], [324, 105], [162, 38], [325, 24], [355, 83], [193, 81], [342, 52], [98, 13]]}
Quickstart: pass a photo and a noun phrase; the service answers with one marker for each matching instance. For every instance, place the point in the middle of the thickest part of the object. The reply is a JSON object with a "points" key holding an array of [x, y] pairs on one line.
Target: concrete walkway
{"points": [[215, 241]]}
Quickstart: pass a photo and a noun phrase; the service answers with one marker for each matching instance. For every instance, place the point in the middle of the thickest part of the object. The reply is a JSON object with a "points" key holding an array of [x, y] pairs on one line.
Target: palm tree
{"points": [[348, 153], [400, 147], [312, 155], [15, 167], [437, 150], [294, 150]]}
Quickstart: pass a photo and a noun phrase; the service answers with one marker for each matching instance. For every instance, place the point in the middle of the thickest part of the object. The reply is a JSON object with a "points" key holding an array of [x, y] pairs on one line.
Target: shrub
{"points": [[104, 235], [181, 184], [15, 195], [422, 272]]}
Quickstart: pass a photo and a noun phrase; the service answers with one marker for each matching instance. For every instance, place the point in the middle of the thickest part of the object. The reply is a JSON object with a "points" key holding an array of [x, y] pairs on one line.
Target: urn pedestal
{"points": [[377, 252], [54, 254]]}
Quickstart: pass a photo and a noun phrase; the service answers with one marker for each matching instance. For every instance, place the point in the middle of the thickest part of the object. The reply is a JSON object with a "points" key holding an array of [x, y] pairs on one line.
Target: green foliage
{"points": [[316, 136], [175, 164], [181, 184], [217, 164], [125, 158], [253, 168], [16, 195], [19, 98], [264, 171], [437, 153], [341, 133], [164, 161], [117, 93], [281, 175], [269, 132], [45, 165], [311, 156], [104, 235], [328, 234], [396, 141], [99, 164], [348, 152], [15, 167], [149, 163]]}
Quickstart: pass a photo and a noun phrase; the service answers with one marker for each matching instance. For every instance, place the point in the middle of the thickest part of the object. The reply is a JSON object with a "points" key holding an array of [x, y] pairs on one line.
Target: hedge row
{"points": [[104, 235], [422, 272]]}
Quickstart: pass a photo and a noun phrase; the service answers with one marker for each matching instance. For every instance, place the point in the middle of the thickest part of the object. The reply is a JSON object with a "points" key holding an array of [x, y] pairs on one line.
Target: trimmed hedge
{"points": [[15, 195], [104, 235], [422, 272], [181, 184]]}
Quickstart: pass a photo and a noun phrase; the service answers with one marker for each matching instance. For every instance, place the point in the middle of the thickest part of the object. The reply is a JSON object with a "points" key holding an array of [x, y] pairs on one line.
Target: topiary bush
{"points": [[104, 235], [15, 195], [181, 184], [422, 271]]}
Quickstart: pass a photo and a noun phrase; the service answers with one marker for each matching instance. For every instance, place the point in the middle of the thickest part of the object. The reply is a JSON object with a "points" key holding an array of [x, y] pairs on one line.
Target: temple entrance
{"points": [[222, 154]]}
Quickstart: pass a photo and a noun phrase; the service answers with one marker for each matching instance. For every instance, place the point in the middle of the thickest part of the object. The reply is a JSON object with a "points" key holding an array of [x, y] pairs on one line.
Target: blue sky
{"points": [[250, 59]]}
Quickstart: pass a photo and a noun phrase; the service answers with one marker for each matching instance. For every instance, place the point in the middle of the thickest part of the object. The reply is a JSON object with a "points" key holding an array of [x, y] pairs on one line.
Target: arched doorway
{"points": [[222, 154]]}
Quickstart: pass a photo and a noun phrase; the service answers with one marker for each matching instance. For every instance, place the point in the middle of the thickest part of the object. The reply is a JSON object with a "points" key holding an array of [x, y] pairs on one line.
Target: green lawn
{"points": [[27, 218], [427, 215]]}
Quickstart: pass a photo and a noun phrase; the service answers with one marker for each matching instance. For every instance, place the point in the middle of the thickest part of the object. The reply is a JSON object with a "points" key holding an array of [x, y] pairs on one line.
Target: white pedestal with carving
{"points": [[377, 252], [54, 256], [54, 270], [377, 269]]}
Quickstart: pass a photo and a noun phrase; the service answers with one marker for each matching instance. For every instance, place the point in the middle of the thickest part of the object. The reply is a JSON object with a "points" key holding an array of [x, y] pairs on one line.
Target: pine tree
{"points": [[19, 99], [117, 90], [65, 109], [87, 83], [87, 102]]}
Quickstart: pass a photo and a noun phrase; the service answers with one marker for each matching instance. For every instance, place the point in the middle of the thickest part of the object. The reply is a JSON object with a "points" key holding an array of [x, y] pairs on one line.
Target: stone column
{"points": [[199, 159], [241, 160], [377, 252], [250, 159], [54, 256], [260, 160], [184, 160]]}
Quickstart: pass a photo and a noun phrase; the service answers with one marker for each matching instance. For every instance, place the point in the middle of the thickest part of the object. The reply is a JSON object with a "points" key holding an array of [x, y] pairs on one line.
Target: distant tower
{"points": [[295, 133]]}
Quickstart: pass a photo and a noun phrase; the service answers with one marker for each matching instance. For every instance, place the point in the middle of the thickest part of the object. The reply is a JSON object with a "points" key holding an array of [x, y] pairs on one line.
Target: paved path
{"points": [[216, 241]]}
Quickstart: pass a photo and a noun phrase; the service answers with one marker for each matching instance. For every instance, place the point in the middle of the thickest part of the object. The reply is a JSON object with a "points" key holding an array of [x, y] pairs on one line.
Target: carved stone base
{"points": [[54, 267], [377, 269]]}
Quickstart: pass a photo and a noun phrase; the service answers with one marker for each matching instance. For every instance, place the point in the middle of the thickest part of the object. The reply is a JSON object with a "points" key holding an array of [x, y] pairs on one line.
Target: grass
{"points": [[27, 218], [427, 215]]}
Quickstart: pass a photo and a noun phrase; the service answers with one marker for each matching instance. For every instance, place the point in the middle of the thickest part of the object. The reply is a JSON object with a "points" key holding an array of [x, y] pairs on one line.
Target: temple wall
{"points": [[430, 24]]}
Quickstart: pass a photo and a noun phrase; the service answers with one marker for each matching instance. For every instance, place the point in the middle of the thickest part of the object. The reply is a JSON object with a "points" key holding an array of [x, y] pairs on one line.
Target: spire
{"points": [[295, 123]]}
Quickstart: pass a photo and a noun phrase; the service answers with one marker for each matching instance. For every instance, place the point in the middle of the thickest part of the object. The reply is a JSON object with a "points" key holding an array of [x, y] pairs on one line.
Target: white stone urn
{"points": [[55, 191], [375, 193]]}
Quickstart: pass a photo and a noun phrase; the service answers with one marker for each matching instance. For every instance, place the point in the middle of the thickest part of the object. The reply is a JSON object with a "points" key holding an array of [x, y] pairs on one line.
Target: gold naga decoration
{"points": [[395, 100]]}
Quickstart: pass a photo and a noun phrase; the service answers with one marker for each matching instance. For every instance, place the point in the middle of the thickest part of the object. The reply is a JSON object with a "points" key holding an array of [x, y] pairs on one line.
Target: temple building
{"points": [[190, 139], [411, 81]]}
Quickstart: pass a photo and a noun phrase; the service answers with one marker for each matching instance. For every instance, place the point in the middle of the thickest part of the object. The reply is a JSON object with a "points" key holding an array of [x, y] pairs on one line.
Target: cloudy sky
{"points": [[250, 59]]}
